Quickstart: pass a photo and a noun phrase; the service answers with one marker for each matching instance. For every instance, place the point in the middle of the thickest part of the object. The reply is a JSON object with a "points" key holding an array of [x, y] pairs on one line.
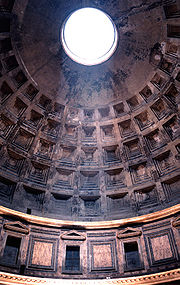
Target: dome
{"points": [[87, 148]]}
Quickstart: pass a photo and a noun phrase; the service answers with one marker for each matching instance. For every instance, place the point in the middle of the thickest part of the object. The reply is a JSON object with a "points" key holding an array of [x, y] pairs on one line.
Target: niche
{"points": [[5, 45], [45, 103], [158, 81], [73, 116], [10, 63], [115, 178], [117, 203], [67, 156], [35, 119], [144, 121], [51, 128], [111, 155], [13, 163], [160, 109], [172, 11], [172, 128], [171, 94], [146, 93], [19, 79], [171, 49], [23, 139], [140, 173], [133, 103], [119, 109], [5, 126], [33, 198], [146, 198], [107, 132], [91, 206], [19, 107], [88, 156], [89, 181], [67, 153], [104, 112], [5, 91], [44, 149], [88, 114], [11, 251], [133, 149], [63, 180], [126, 129], [167, 66], [38, 173], [171, 189], [70, 133], [58, 110], [88, 133], [7, 189], [173, 31], [164, 163], [60, 204], [30, 92], [154, 140]]}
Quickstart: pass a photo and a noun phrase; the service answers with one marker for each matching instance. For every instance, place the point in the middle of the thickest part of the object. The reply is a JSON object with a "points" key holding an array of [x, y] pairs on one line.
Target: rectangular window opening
{"points": [[11, 250], [132, 256], [72, 262]]}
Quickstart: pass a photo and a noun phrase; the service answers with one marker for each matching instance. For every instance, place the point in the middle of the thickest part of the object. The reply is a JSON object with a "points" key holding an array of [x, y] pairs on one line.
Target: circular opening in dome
{"points": [[89, 36]]}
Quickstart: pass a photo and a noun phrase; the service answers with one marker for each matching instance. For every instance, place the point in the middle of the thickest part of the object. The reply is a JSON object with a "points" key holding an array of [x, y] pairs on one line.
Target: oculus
{"points": [[89, 36]]}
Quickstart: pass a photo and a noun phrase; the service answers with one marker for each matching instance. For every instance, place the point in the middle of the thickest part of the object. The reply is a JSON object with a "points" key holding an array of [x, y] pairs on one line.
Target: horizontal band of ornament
{"points": [[91, 225], [157, 278]]}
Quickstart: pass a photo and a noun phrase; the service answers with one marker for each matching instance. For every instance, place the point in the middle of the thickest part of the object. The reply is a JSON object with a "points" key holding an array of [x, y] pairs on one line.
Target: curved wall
{"points": [[112, 157], [114, 249], [95, 163]]}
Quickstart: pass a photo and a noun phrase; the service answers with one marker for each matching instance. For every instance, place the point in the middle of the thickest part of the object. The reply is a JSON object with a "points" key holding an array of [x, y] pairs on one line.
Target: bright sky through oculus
{"points": [[89, 36]]}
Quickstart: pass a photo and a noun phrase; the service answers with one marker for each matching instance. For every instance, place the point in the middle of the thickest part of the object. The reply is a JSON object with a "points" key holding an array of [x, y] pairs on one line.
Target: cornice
{"points": [[157, 278], [91, 225]]}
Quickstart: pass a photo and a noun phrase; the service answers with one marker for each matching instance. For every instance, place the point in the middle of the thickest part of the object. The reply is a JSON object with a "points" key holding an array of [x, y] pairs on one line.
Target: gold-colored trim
{"points": [[157, 278], [16, 227], [128, 232], [176, 222], [91, 225], [72, 235]]}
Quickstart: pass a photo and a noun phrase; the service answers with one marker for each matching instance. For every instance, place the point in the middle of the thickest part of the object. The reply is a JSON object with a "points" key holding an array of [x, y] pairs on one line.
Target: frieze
{"points": [[92, 225], [171, 275]]}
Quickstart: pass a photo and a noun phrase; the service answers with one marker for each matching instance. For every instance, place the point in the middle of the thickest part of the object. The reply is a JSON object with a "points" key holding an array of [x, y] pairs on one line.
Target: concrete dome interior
{"points": [[90, 144]]}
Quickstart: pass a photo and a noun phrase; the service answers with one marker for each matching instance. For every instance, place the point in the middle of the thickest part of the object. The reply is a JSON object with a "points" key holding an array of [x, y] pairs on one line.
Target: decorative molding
{"points": [[102, 255], [158, 278], [73, 235], [129, 232], [42, 253], [16, 227], [161, 247], [91, 225], [176, 222]]}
